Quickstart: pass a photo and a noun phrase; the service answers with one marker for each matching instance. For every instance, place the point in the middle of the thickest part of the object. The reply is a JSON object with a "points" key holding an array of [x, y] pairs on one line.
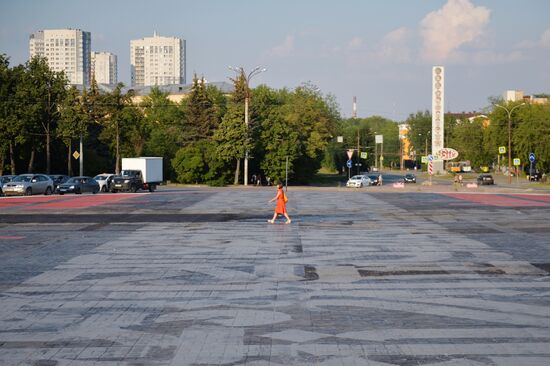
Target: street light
{"points": [[509, 138], [257, 70]]}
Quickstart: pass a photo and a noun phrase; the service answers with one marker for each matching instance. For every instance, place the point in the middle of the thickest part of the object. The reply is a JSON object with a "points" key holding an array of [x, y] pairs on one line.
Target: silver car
{"points": [[28, 184]]}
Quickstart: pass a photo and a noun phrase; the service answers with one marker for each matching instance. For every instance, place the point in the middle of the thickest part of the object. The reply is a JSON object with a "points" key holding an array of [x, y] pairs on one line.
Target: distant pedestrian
{"points": [[460, 182], [380, 180], [253, 179], [259, 180], [268, 179], [280, 209]]}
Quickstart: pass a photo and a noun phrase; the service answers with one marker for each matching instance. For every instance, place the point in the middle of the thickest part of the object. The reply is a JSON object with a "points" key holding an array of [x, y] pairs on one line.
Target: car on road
{"points": [[409, 178], [534, 176], [484, 179], [104, 180], [358, 181], [57, 180], [79, 185], [5, 179], [374, 180], [28, 184]]}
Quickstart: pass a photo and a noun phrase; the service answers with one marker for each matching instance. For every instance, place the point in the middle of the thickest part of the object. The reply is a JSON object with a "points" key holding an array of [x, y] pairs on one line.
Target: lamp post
{"points": [[257, 70], [509, 112]]}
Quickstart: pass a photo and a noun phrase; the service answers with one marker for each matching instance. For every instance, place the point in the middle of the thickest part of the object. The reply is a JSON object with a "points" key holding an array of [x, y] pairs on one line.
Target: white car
{"points": [[104, 180], [359, 181]]}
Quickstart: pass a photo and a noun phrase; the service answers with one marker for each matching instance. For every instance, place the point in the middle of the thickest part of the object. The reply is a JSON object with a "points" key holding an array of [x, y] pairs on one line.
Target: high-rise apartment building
{"points": [[67, 50], [157, 61], [104, 67]]}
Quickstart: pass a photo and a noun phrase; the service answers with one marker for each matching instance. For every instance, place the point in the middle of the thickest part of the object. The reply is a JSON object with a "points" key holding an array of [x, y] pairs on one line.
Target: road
{"points": [[196, 276]]}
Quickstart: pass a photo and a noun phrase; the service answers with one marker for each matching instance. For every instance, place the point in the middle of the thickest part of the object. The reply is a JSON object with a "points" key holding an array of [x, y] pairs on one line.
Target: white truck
{"points": [[138, 173]]}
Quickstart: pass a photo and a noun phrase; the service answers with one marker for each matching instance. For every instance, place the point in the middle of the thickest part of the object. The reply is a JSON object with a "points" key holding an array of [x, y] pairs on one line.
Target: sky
{"points": [[381, 51]]}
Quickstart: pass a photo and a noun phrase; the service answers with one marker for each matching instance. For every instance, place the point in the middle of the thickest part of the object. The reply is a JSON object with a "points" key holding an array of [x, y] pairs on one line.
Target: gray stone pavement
{"points": [[197, 277]]}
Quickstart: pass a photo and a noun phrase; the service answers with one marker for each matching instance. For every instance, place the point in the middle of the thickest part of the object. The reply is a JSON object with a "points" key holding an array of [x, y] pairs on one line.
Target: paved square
{"points": [[197, 277]]}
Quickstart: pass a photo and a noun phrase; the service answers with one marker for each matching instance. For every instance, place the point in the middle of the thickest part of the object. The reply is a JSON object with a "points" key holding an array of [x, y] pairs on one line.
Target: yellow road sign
{"points": [[76, 155]]}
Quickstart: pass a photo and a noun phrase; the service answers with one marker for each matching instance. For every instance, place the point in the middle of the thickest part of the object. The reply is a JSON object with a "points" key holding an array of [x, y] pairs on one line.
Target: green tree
{"points": [[165, 121], [44, 91], [420, 131], [118, 116], [73, 122], [200, 113], [532, 135], [470, 139], [231, 137]]}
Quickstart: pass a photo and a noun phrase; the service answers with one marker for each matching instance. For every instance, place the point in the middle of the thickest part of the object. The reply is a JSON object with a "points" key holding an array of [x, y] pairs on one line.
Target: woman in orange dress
{"points": [[280, 209]]}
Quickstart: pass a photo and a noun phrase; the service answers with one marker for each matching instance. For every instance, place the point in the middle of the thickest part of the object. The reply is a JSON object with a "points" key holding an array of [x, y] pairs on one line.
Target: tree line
{"points": [[478, 139], [203, 138]]}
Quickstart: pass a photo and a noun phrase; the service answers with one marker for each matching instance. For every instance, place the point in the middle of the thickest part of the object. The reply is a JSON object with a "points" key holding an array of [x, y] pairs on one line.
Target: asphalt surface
{"points": [[416, 275]]}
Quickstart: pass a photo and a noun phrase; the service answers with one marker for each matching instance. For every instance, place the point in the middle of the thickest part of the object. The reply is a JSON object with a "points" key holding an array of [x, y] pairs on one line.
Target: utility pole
{"points": [[358, 153]]}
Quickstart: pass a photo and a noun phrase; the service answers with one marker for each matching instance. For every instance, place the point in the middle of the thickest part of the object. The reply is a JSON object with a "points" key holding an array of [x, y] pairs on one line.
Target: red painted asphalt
{"points": [[504, 200], [62, 202]]}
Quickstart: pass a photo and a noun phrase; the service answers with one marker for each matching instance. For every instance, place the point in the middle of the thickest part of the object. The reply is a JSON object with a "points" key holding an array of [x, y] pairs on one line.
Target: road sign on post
{"points": [[349, 163], [364, 155], [502, 149], [532, 157], [350, 153], [517, 162]]}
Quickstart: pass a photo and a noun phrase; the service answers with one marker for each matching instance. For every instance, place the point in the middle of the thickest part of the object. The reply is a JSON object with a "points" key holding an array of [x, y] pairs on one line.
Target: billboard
{"points": [[438, 103]]}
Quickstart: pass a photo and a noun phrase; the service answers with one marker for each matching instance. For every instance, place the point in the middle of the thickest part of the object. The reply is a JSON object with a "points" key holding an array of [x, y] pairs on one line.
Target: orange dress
{"points": [[281, 207]]}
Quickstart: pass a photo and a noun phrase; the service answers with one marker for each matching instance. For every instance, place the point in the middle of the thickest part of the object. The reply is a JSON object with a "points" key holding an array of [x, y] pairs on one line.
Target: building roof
{"points": [[173, 89]]}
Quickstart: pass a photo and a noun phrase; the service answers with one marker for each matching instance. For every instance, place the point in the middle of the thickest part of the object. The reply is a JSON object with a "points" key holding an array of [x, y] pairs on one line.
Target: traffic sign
{"points": [[364, 155], [502, 149], [349, 163], [532, 157], [76, 155], [350, 153], [517, 162], [430, 157], [424, 159], [447, 153]]}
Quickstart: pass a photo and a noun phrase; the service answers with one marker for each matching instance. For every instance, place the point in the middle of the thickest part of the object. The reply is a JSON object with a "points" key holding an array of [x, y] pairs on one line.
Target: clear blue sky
{"points": [[381, 51]]}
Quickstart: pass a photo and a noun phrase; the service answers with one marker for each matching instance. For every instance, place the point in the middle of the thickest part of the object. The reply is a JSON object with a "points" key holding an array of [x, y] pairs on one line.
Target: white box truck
{"points": [[138, 173]]}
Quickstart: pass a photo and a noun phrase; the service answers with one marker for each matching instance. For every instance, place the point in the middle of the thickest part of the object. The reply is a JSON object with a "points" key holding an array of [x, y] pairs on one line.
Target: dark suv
{"points": [[485, 179]]}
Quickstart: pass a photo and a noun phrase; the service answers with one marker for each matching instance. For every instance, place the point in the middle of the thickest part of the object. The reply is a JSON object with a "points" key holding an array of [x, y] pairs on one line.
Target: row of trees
{"points": [[478, 140], [202, 139]]}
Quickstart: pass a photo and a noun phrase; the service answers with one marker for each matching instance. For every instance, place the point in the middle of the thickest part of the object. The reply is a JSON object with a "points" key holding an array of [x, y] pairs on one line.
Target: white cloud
{"points": [[458, 22], [284, 49], [355, 43], [394, 47], [545, 39]]}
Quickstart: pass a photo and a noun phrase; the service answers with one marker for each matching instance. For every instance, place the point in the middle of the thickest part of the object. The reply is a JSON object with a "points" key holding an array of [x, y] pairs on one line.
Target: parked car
{"points": [[358, 181], [79, 185], [104, 180], [57, 180], [483, 179], [5, 179], [28, 184], [409, 178], [534, 176]]}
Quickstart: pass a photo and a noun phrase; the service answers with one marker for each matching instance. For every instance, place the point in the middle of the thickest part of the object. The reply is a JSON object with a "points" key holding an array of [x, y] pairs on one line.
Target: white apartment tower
{"points": [[104, 67], [67, 50], [157, 61]]}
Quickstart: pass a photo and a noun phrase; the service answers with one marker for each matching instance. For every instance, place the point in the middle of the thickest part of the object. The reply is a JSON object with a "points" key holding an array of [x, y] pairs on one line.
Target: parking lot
{"points": [[196, 276]]}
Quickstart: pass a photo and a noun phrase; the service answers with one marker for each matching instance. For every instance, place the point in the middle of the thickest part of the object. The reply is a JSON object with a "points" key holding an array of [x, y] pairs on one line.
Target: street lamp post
{"points": [[257, 70], [509, 112]]}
